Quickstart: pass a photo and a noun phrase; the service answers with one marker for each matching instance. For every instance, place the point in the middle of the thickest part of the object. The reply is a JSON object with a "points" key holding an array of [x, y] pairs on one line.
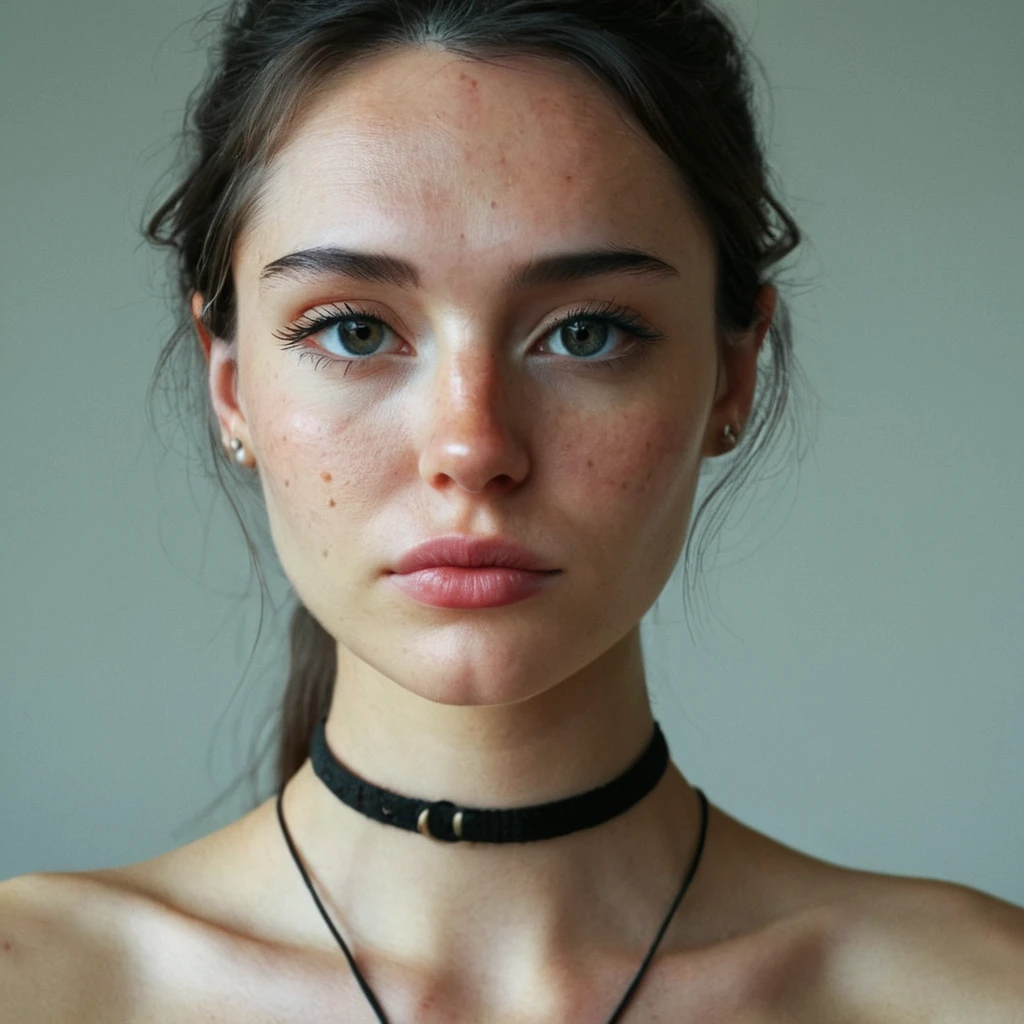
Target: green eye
{"points": [[584, 337], [355, 335], [359, 337]]}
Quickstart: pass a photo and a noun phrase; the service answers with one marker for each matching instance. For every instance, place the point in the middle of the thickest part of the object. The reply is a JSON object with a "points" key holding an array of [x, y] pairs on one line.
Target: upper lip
{"points": [[470, 553]]}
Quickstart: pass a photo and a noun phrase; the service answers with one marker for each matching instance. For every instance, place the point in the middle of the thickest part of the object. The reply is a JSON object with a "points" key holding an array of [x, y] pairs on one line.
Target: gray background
{"points": [[858, 689]]}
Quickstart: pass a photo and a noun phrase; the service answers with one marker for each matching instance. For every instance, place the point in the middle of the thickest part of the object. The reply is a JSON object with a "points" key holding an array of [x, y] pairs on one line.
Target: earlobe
{"points": [[737, 378], [222, 364]]}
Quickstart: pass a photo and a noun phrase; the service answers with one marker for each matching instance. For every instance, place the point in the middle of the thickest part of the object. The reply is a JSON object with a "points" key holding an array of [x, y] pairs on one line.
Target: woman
{"points": [[479, 289]]}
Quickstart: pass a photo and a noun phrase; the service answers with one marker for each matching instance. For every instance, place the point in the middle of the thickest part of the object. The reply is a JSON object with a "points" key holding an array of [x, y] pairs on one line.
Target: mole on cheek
{"points": [[332, 503], [326, 477], [326, 553]]}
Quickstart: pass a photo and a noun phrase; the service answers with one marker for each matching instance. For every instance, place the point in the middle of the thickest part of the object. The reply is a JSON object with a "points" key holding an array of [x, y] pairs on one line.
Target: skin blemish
{"points": [[326, 553], [287, 483], [326, 477], [332, 503]]}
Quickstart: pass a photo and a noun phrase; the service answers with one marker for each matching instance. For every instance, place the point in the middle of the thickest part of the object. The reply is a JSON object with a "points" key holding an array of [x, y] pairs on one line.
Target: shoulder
{"points": [[914, 949], [816, 941], [93, 947], [61, 950], [138, 942]]}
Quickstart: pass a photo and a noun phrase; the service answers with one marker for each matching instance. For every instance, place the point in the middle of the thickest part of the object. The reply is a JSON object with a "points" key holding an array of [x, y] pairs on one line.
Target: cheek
{"points": [[321, 469], [639, 485], [639, 459]]}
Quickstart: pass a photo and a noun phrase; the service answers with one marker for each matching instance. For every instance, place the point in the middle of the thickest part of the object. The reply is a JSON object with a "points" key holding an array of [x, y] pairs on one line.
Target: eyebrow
{"points": [[379, 268]]}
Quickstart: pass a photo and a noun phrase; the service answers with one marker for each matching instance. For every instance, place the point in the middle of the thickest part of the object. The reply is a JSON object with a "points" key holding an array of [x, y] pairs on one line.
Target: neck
{"points": [[394, 891]]}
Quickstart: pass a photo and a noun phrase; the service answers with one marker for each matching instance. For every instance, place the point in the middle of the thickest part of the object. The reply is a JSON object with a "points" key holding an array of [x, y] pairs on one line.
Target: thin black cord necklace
{"points": [[425, 826]]}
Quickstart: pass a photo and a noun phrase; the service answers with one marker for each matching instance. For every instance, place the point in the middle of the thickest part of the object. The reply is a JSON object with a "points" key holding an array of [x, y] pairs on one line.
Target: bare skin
{"points": [[473, 417], [765, 936]]}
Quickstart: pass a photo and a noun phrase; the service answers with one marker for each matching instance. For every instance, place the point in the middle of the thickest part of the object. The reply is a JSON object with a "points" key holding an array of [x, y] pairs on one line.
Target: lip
{"points": [[471, 553], [471, 572]]}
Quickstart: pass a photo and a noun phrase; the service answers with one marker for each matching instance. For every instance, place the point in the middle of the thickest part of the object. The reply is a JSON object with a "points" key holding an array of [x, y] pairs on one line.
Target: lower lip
{"points": [[449, 586]]}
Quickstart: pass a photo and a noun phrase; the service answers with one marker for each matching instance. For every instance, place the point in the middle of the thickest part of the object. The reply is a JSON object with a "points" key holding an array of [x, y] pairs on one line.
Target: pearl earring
{"points": [[729, 433], [239, 449]]}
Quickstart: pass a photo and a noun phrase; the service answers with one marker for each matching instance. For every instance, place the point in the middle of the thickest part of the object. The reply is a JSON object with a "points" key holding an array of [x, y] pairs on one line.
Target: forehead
{"points": [[425, 150]]}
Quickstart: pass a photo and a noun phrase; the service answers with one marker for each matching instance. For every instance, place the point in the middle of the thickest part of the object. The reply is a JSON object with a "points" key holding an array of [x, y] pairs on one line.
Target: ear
{"points": [[222, 360], [737, 376]]}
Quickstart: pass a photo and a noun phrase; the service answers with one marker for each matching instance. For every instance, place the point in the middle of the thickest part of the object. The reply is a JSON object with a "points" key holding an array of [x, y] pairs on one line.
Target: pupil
{"points": [[585, 338], [359, 338]]}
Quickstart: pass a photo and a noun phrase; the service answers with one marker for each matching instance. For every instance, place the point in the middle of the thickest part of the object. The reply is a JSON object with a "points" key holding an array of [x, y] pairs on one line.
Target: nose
{"points": [[472, 438]]}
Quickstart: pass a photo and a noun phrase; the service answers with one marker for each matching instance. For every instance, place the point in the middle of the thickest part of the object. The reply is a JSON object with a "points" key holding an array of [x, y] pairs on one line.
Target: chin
{"points": [[474, 687]]}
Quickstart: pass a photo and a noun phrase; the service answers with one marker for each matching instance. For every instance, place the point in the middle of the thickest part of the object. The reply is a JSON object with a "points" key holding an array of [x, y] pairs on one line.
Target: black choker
{"points": [[443, 820]]}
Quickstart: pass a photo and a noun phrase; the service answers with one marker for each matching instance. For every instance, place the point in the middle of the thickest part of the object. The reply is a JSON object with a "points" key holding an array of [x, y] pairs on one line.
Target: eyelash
{"points": [[294, 335]]}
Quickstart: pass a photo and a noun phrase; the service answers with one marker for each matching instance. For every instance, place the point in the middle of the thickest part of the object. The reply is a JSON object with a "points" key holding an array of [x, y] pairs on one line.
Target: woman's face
{"points": [[443, 397]]}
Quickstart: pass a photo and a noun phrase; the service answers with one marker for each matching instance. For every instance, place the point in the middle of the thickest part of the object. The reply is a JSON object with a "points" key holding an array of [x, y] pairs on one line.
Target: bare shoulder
{"points": [[914, 949], [173, 938], [831, 943], [61, 951]]}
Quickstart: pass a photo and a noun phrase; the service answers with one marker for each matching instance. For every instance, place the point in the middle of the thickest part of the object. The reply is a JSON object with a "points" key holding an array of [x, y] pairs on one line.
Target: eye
{"points": [[357, 337], [583, 337], [587, 335], [342, 334], [341, 331]]}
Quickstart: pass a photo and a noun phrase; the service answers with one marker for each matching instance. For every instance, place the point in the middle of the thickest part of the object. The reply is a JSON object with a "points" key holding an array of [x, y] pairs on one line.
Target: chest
{"points": [[259, 987]]}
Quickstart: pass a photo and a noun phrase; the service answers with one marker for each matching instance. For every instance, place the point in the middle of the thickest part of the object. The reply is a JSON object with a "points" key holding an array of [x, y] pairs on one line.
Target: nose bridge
{"points": [[472, 436], [468, 382]]}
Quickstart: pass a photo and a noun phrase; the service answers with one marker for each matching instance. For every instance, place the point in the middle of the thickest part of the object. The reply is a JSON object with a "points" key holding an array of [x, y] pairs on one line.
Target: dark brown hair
{"points": [[677, 66]]}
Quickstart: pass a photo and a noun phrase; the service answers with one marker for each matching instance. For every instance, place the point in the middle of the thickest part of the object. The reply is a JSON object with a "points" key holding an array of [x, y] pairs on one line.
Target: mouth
{"points": [[465, 552], [469, 572]]}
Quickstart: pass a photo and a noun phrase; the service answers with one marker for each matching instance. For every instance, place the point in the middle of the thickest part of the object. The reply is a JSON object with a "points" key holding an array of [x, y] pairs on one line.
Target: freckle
{"points": [[332, 503], [7, 946], [568, 177], [590, 463], [494, 204], [326, 477], [326, 553], [287, 483]]}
